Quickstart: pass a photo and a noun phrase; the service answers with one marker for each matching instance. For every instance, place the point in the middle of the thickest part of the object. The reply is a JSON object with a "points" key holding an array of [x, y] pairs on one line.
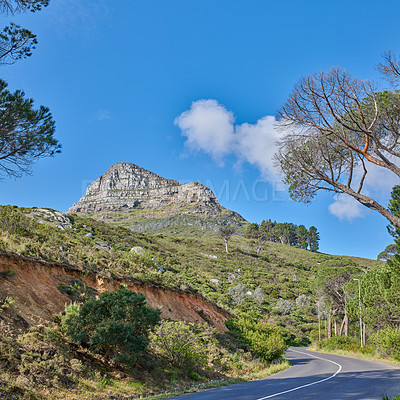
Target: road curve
{"points": [[314, 376]]}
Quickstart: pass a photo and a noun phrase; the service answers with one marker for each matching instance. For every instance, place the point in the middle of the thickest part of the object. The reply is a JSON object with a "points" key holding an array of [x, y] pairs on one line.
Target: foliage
{"points": [[13, 221], [302, 302], [38, 358], [380, 296], [259, 296], [238, 294], [265, 340], [188, 261], [313, 238], [285, 233], [116, 325], [394, 208], [28, 133], [16, 43], [8, 273], [387, 342], [6, 303], [340, 343], [388, 253], [184, 344], [284, 306]]}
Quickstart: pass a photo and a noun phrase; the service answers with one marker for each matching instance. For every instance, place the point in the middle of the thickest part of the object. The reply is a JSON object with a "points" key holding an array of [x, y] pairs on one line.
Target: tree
{"points": [[302, 236], [116, 325], [313, 238], [338, 128], [394, 208], [16, 42], [26, 134], [330, 282], [226, 232], [380, 295], [259, 233], [251, 230], [388, 253]]}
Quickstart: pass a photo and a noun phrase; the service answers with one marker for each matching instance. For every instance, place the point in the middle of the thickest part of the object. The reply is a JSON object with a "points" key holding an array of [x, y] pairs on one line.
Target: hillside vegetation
{"points": [[200, 263], [271, 298]]}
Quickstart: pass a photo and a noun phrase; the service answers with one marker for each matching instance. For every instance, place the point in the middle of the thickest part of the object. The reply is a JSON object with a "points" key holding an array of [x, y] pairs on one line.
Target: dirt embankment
{"points": [[35, 287]]}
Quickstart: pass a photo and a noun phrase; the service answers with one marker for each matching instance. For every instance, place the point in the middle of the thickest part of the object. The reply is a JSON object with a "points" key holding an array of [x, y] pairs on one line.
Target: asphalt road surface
{"points": [[314, 376]]}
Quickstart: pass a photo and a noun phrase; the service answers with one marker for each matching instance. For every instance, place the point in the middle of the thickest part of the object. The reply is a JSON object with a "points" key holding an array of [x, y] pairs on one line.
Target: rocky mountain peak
{"points": [[128, 186]]}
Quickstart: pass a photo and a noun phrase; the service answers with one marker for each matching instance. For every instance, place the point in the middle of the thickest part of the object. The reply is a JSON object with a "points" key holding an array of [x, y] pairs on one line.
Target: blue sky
{"points": [[117, 76]]}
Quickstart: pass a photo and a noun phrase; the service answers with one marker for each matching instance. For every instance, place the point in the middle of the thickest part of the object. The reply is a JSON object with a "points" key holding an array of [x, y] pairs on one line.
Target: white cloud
{"points": [[346, 207], [256, 144], [208, 127], [211, 128], [380, 180]]}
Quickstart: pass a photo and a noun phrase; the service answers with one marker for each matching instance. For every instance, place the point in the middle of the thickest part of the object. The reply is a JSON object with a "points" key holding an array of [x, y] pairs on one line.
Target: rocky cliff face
{"points": [[126, 185], [141, 200]]}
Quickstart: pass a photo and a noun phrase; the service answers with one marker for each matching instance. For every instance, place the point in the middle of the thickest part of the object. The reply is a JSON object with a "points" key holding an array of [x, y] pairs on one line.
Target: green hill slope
{"points": [[199, 263]]}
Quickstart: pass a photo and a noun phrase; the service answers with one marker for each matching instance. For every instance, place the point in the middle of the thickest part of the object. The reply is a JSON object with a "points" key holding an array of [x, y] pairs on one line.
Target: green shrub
{"points": [[39, 358], [6, 303], [184, 344], [8, 273], [265, 340], [116, 325], [13, 221], [387, 342], [340, 343]]}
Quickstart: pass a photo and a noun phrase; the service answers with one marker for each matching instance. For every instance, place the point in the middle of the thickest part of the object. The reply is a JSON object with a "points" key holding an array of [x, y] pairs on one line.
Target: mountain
{"points": [[141, 200]]}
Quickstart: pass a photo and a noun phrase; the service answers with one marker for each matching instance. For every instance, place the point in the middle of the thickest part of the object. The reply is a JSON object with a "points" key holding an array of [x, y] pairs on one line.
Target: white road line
{"points": [[309, 384]]}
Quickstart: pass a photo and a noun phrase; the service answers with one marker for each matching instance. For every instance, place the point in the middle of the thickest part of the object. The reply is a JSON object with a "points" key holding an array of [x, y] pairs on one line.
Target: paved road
{"points": [[314, 376]]}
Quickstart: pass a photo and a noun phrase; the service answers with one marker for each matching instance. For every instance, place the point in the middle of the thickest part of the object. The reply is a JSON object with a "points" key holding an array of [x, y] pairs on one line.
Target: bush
{"points": [[116, 325], [284, 306], [38, 357], [14, 222], [265, 340], [387, 342], [340, 343], [184, 344]]}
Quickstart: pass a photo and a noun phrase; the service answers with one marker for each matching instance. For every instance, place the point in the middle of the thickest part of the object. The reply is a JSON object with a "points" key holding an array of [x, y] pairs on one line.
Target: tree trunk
{"points": [[344, 327], [335, 325], [226, 245], [329, 325], [364, 335]]}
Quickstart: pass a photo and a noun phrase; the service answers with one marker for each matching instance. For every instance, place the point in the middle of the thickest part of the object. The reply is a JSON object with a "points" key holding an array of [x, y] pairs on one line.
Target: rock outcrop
{"points": [[145, 201], [126, 185]]}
